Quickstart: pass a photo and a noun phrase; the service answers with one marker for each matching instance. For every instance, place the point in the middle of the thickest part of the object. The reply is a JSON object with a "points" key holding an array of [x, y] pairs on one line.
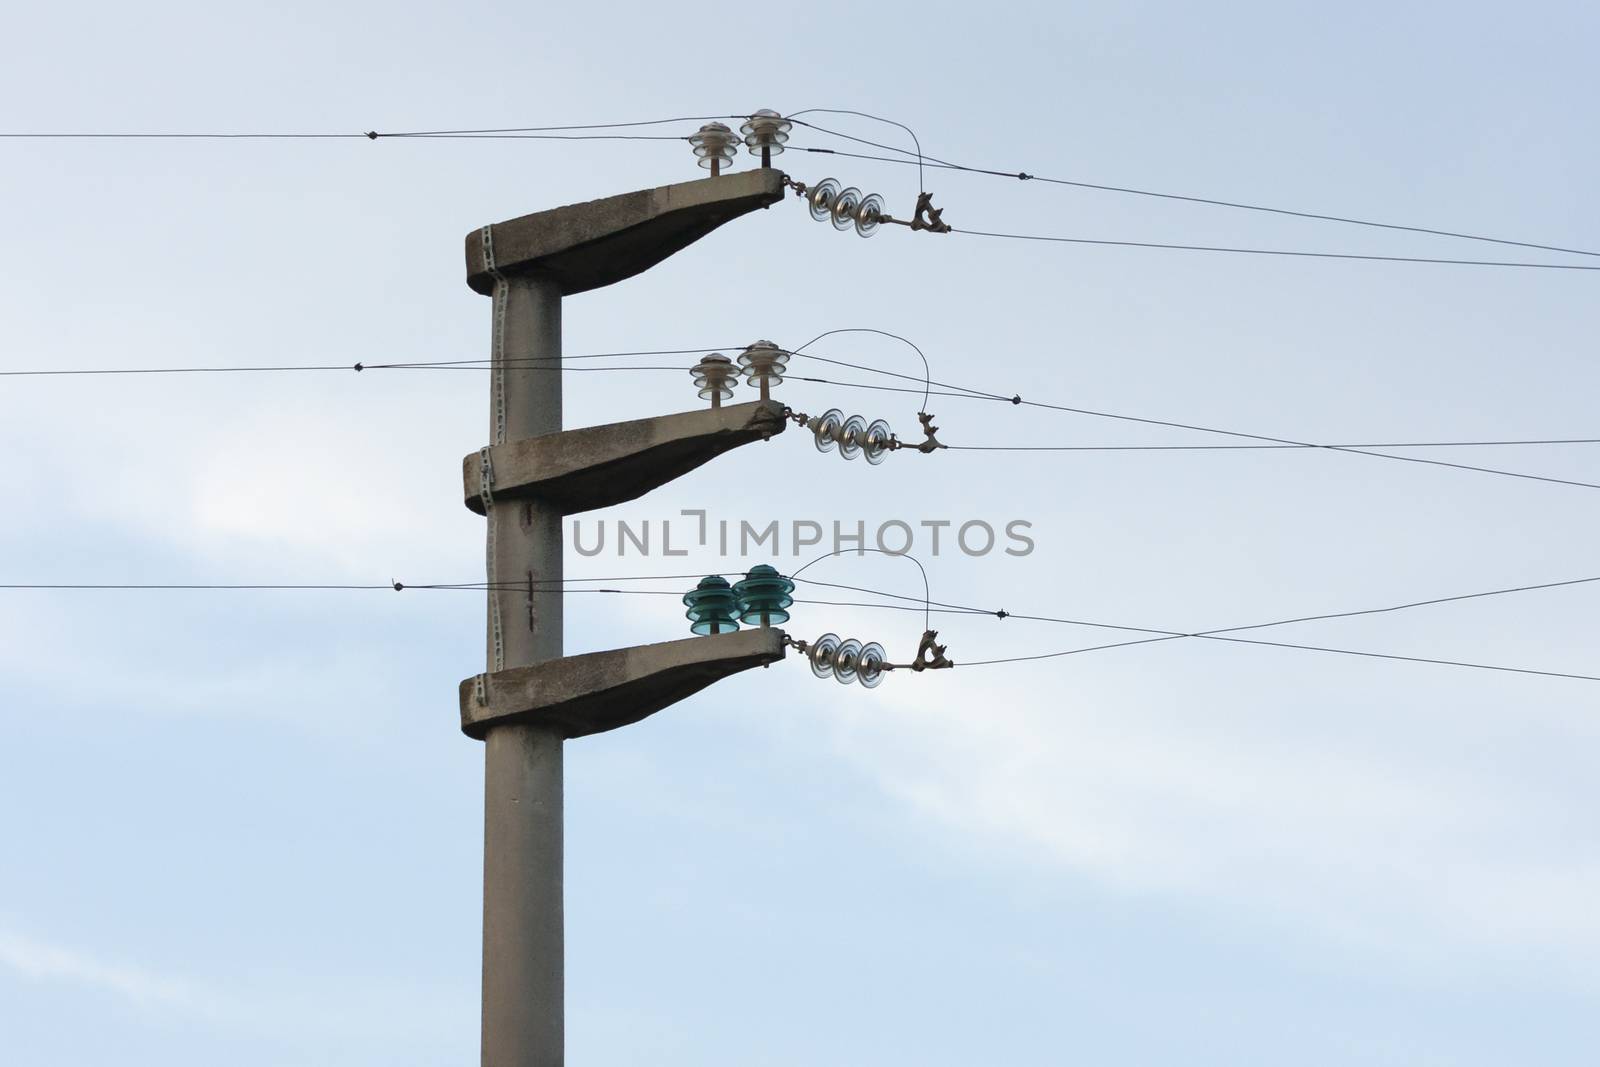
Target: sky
{"points": [[244, 826]]}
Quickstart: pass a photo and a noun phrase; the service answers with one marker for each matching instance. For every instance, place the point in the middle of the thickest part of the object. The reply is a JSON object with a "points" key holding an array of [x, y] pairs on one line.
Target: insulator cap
{"points": [[847, 662], [714, 142], [822, 653], [852, 436], [844, 208], [715, 375], [870, 671], [820, 198], [869, 215], [875, 443], [763, 592], [764, 362], [825, 429], [713, 609], [766, 129]]}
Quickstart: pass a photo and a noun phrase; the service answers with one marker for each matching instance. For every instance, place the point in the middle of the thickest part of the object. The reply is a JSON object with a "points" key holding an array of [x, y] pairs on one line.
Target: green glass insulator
{"points": [[763, 595], [713, 608]]}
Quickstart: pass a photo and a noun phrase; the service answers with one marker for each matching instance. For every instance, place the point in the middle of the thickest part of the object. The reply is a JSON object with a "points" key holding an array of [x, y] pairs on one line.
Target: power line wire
{"points": [[562, 129], [1220, 634], [1162, 635], [57, 136], [927, 605], [532, 136], [927, 596], [964, 393], [940, 164], [1323, 617], [1285, 644], [1277, 251], [1280, 442], [918, 158], [926, 370], [529, 362], [951, 389], [1412, 604], [205, 586], [1258, 448], [1307, 444], [368, 136], [922, 183], [550, 132], [922, 159]]}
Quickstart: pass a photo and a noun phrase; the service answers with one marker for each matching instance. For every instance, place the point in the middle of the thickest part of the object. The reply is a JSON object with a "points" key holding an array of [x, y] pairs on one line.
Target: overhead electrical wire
{"points": [[921, 161], [371, 135], [534, 136], [926, 605], [917, 158], [205, 586], [1308, 444], [965, 392], [922, 183], [927, 600], [948, 390], [929, 605], [58, 136], [560, 129], [529, 362], [1259, 448], [1220, 634], [1285, 644], [1277, 251], [560, 133], [1276, 442], [527, 365], [951, 390], [1431, 602]]}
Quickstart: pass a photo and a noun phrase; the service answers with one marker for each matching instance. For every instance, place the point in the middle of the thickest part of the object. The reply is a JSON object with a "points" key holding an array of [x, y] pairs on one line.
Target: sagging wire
{"points": [[442, 364], [926, 605], [849, 659]]}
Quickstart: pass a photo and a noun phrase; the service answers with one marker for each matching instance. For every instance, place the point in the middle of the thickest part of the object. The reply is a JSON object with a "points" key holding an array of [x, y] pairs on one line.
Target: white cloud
{"points": [[315, 1009], [286, 477], [1369, 844], [39, 961]]}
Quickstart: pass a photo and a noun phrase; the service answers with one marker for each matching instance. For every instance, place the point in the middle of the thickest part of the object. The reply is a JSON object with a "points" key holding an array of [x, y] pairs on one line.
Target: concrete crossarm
{"points": [[585, 246], [600, 691], [598, 466]]}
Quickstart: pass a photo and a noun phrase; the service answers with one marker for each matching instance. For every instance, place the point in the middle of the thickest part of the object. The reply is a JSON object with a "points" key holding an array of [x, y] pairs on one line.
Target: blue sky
{"points": [[244, 827]]}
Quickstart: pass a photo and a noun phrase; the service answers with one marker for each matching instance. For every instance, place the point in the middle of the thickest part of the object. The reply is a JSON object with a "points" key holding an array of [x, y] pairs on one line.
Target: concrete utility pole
{"points": [[531, 698]]}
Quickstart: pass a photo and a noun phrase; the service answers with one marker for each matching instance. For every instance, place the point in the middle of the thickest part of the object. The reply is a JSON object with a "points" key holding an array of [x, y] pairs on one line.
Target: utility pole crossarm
{"points": [[599, 691], [589, 245], [598, 466]]}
